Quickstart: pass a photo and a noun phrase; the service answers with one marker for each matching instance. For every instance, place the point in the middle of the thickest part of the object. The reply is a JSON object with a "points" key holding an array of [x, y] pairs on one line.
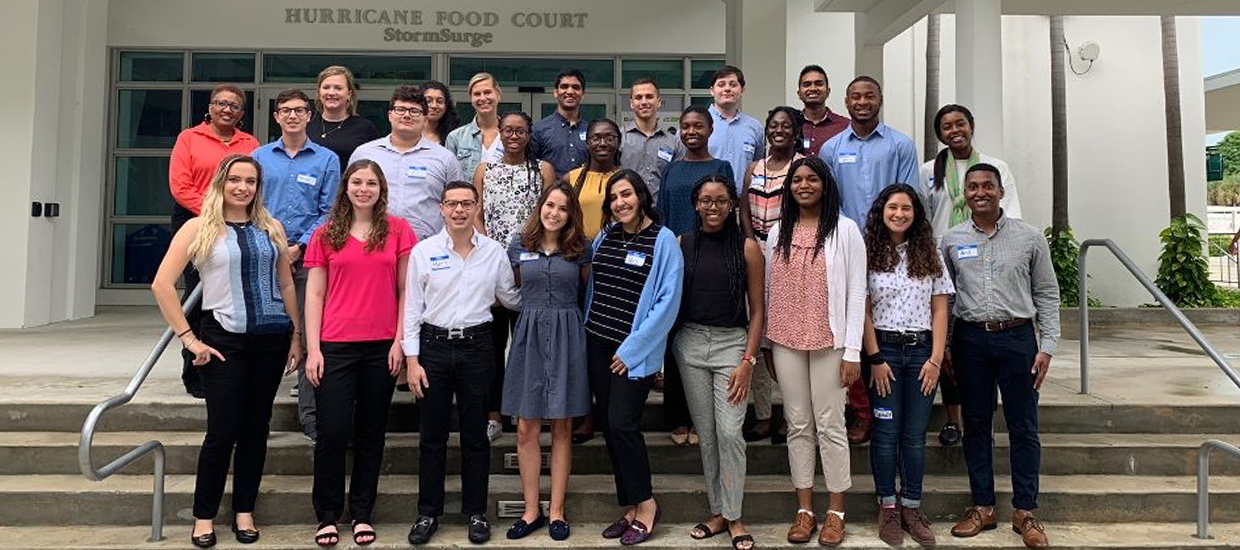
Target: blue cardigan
{"points": [[646, 343]]}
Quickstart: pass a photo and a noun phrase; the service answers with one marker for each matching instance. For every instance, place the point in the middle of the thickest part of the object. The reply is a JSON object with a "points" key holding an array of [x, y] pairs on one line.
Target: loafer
{"points": [[975, 521], [522, 528], [638, 532], [1029, 528], [950, 434], [423, 529], [558, 530], [479, 529], [616, 529]]}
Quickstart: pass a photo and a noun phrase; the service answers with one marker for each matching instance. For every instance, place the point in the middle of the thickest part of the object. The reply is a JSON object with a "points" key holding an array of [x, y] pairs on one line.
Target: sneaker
{"points": [[494, 430], [293, 392], [479, 529]]}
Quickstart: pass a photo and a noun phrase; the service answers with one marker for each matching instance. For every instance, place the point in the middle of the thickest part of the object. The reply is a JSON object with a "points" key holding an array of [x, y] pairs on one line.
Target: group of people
{"points": [[552, 270]]}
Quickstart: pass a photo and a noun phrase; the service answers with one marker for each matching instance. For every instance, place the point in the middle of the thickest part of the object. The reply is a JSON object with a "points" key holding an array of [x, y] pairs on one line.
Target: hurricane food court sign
{"points": [[472, 28]]}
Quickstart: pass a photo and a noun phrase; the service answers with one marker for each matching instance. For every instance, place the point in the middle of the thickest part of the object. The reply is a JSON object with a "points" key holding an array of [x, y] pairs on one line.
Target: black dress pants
{"points": [[353, 399], [460, 367], [239, 390], [619, 403]]}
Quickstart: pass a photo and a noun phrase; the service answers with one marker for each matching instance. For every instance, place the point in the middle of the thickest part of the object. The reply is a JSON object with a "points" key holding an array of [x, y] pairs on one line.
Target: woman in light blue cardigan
{"points": [[631, 303]]}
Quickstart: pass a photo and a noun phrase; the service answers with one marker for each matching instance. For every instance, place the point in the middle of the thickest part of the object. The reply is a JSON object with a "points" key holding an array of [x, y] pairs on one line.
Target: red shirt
{"points": [[196, 157], [362, 301], [818, 133]]}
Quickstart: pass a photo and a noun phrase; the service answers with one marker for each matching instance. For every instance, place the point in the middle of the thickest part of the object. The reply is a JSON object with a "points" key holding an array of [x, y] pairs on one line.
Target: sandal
{"points": [[358, 535], [739, 539], [706, 531], [326, 539]]}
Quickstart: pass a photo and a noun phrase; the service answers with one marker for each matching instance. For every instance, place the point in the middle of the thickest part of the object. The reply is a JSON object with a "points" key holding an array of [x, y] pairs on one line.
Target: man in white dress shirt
{"points": [[454, 278]]}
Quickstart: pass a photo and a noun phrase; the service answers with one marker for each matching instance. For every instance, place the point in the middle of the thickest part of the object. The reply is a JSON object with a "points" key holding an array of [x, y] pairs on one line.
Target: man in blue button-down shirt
{"points": [[560, 137], [864, 159], [737, 138], [299, 185]]}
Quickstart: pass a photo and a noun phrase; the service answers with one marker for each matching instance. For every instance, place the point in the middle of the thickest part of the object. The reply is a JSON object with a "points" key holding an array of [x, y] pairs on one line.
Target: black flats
{"points": [[205, 540], [522, 529], [245, 536]]}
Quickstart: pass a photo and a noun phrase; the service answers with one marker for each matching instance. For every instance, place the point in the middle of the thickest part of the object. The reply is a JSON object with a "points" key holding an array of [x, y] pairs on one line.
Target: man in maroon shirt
{"points": [[821, 124]]}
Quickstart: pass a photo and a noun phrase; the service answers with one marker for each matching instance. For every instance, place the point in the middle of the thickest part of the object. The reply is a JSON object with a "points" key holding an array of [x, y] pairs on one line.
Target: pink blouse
{"points": [[798, 306]]}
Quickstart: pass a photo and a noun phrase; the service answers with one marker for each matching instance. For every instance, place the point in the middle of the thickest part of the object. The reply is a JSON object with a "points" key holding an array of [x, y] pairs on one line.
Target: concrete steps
{"points": [[292, 453], [668, 536], [125, 499]]}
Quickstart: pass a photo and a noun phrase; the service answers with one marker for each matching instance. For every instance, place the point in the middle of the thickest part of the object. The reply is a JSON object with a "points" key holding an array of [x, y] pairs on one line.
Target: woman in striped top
{"points": [[249, 308], [632, 300]]}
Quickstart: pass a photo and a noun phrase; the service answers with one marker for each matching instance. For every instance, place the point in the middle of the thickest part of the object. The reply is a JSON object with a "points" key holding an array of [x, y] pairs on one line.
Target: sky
{"points": [[1220, 51]]}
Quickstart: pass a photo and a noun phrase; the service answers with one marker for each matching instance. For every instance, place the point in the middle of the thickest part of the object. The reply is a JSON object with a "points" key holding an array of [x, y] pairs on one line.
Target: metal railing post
{"points": [[1084, 306], [1203, 482], [85, 443]]}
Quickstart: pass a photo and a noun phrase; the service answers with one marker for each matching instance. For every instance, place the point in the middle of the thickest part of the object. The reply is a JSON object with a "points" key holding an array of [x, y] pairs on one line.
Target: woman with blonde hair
{"points": [[240, 344], [478, 141], [357, 263], [338, 126]]}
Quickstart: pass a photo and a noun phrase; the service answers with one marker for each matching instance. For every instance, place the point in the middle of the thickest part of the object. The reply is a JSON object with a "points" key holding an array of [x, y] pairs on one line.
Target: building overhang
{"points": [[1223, 102]]}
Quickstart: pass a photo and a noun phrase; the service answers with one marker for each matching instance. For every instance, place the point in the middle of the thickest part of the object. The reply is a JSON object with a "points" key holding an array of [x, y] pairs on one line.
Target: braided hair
{"points": [[585, 168], [531, 161], [733, 243], [790, 211]]}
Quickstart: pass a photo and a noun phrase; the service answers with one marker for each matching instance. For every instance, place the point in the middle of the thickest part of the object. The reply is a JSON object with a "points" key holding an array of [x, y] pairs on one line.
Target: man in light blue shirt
{"points": [[737, 138], [869, 155], [417, 170], [299, 184]]}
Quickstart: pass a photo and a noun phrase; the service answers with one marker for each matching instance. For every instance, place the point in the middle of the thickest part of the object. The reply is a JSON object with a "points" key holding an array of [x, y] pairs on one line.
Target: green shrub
{"points": [[1183, 274]]}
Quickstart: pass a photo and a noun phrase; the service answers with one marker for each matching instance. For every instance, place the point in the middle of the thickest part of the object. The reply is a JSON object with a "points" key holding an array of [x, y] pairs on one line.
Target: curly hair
{"points": [[450, 119], [880, 250], [798, 124], [340, 219]]}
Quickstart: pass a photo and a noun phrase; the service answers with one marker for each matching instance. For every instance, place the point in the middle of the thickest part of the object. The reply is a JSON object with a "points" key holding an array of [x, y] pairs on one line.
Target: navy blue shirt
{"points": [[560, 143]]}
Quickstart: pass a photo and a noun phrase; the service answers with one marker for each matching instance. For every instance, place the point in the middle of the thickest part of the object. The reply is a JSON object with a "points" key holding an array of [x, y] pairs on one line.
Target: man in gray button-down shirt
{"points": [[645, 147], [1005, 287]]}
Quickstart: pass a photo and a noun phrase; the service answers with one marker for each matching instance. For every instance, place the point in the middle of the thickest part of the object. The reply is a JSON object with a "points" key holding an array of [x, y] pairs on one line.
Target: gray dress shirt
{"points": [[649, 155]]}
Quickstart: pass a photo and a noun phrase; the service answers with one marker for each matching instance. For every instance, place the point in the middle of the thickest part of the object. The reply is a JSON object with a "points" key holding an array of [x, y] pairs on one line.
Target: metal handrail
{"points": [[155, 447], [1232, 262], [1203, 482], [1158, 295]]}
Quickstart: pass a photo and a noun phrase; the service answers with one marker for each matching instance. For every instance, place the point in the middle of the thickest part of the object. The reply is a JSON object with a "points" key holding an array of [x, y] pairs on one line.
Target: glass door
{"points": [[595, 106]]}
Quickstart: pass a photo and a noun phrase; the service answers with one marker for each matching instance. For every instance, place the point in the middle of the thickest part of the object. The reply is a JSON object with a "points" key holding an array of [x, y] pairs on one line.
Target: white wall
{"points": [[824, 39]]}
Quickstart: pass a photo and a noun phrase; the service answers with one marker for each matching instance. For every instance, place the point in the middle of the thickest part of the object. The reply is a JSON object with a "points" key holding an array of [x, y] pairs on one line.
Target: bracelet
{"points": [[936, 365], [749, 359], [184, 332], [875, 358]]}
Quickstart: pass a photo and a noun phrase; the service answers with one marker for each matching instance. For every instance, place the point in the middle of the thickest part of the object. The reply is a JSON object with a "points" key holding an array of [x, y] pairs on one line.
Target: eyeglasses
{"points": [[298, 111], [603, 138], [717, 203], [226, 105], [514, 132], [452, 205], [411, 111]]}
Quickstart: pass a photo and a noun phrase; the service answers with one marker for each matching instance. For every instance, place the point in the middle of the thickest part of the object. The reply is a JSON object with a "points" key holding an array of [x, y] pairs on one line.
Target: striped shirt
{"points": [[620, 269], [240, 282], [1004, 276]]}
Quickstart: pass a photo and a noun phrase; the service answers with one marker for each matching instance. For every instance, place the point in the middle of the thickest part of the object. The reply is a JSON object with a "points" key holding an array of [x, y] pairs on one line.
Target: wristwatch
{"points": [[749, 359]]}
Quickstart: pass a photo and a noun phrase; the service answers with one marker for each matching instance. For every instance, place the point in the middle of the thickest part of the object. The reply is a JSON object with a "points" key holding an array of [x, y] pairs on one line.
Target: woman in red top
{"points": [[195, 159], [357, 264]]}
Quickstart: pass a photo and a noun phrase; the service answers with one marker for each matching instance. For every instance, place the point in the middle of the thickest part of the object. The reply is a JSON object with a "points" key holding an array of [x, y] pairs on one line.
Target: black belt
{"points": [[439, 333], [902, 338], [998, 326]]}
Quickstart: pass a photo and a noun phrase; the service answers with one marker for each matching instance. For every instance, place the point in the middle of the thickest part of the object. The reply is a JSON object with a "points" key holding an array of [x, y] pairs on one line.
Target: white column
{"points": [[756, 41], [869, 54], [979, 69]]}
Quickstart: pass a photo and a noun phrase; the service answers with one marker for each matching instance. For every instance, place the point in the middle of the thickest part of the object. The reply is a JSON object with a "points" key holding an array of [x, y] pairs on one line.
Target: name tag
{"points": [[665, 154], [582, 135], [439, 263], [847, 158], [883, 414], [966, 251], [758, 181], [417, 172], [529, 256], [747, 147], [805, 143], [635, 259], [307, 179]]}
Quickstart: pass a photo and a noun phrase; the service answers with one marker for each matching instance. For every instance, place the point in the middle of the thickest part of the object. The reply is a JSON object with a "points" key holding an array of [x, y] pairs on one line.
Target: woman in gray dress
{"points": [[546, 373]]}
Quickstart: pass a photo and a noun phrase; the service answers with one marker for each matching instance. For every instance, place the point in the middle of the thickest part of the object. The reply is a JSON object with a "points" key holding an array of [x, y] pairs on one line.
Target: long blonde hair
{"points": [[211, 220], [338, 70]]}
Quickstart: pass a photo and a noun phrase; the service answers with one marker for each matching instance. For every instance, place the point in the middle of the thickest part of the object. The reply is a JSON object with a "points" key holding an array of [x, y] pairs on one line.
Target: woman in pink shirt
{"points": [[357, 264]]}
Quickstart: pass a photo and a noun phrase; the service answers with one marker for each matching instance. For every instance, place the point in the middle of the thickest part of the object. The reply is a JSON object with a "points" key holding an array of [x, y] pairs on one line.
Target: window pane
{"points": [[152, 67], [667, 73], [673, 104], [137, 250], [223, 67], [465, 109], [587, 111], [200, 101], [376, 112], [512, 72], [700, 72], [142, 187], [367, 69], [703, 100], [148, 118]]}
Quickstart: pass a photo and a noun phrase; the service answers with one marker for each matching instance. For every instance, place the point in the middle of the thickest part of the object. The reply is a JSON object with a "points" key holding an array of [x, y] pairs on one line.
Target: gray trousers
{"points": [[305, 391], [762, 389], [707, 357]]}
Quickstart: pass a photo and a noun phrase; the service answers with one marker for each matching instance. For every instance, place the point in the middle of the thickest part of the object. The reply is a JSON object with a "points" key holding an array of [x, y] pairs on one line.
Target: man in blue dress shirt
{"points": [[864, 159], [299, 185], [737, 138], [560, 137]]}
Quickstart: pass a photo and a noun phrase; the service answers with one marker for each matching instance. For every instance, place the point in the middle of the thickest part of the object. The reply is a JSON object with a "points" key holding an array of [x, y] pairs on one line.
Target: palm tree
{"points": [[1059, 130], [931, 139], [1175, 133]]}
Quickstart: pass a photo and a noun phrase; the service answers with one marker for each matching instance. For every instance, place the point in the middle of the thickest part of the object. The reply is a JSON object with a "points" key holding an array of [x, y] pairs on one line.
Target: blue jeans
{"points": [[898, 430]]}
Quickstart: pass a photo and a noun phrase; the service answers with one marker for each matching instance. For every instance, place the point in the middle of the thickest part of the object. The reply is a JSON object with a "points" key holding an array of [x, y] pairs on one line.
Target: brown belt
{"points": [[998, 326]]}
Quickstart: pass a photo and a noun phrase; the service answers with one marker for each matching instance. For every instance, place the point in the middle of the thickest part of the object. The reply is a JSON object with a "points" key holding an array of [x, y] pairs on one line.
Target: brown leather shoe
{"points": [[917, 525], [832, 533], [802, 527], [1029, 528], [889, 526], [859, 430], [976, 520]]}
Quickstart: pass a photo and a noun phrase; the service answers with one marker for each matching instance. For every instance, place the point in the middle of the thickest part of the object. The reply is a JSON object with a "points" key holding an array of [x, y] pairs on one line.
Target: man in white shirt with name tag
{"points": [[454, 277], [416, 169]]}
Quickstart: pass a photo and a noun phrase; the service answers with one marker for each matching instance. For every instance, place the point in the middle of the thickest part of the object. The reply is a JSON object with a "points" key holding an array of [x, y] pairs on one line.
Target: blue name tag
{"points": [[966, 251], [665, 154], [529, 256], [847, 158], [582, 135], [747, 147], [805, 143], [635, 259], [307, 179], [417, 172], [439, 263]]}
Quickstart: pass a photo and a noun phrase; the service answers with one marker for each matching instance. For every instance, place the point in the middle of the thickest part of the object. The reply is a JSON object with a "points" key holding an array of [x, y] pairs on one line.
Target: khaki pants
{"points": [[814, 409]]}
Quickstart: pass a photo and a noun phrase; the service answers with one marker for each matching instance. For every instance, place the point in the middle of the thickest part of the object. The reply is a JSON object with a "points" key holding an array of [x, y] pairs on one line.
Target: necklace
{"points": [[323, 126], [625, 242]]}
